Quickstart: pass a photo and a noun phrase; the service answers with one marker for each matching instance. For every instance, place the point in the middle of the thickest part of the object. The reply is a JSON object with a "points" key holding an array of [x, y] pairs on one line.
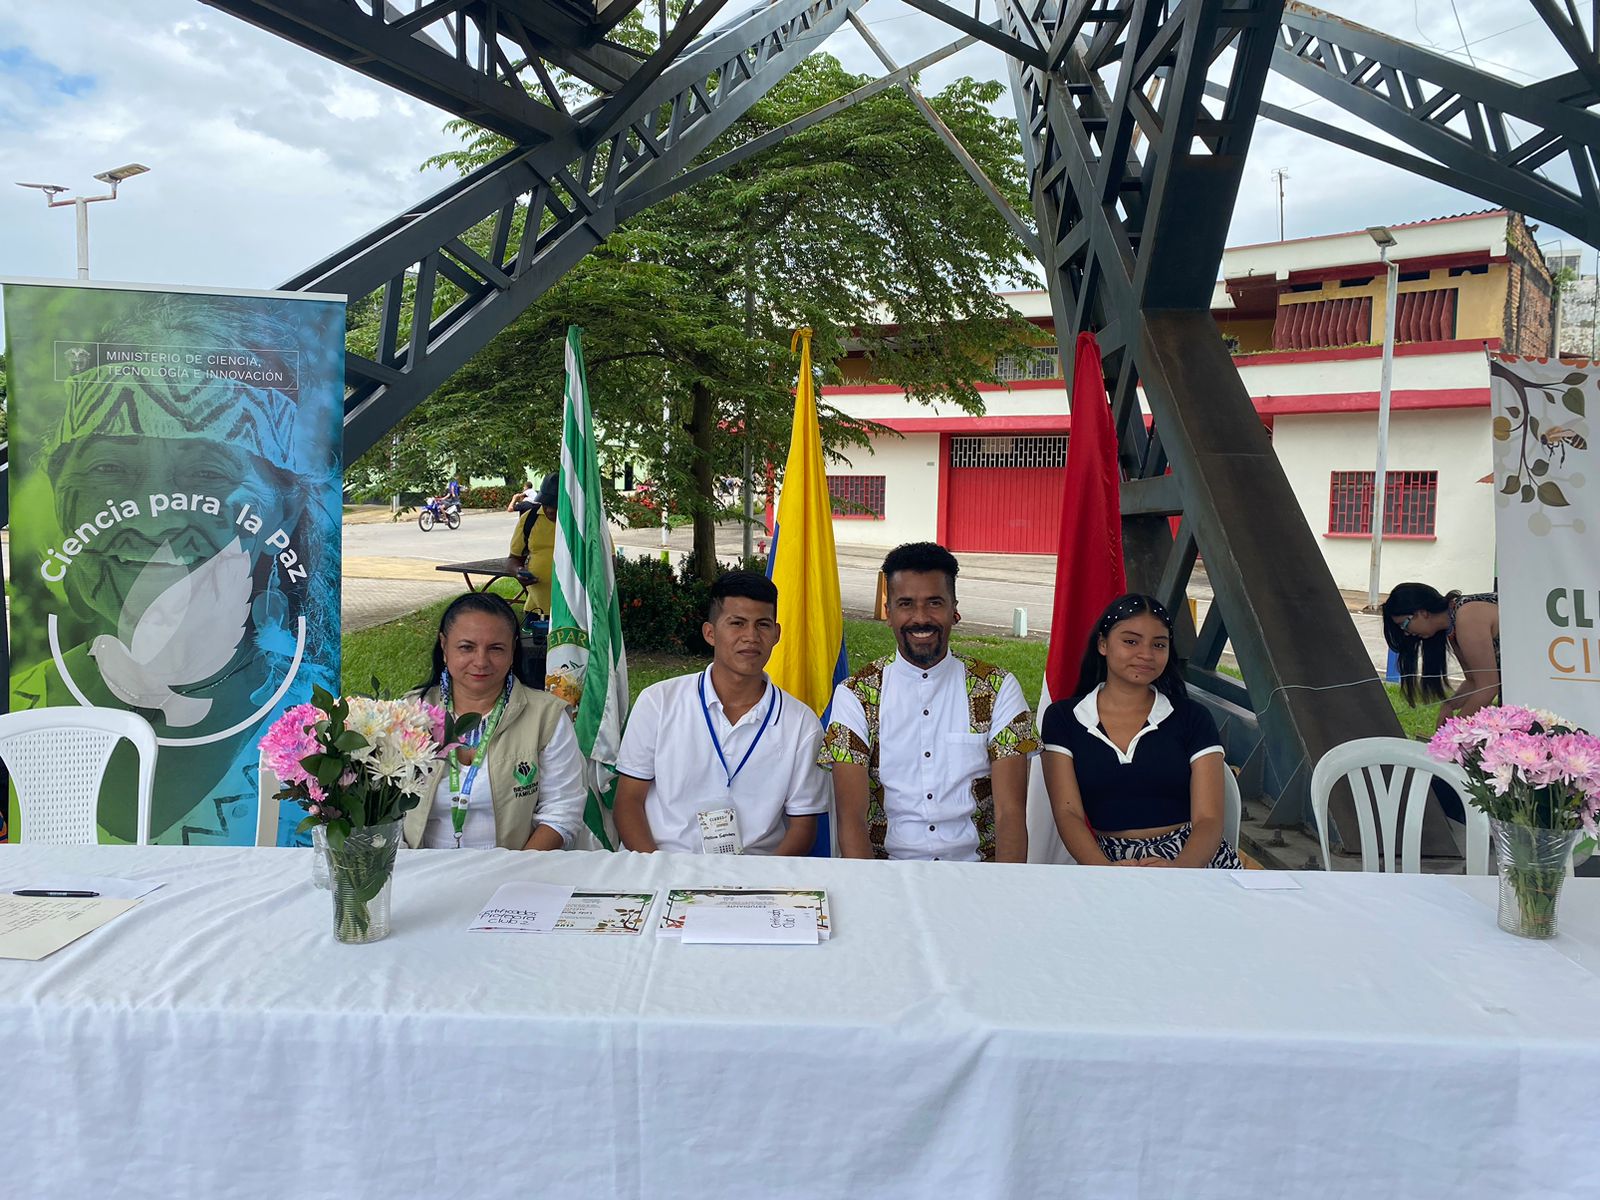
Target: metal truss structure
{"points": [[1471, 130], [1135, 115], [1135, 173], [551, 199]]}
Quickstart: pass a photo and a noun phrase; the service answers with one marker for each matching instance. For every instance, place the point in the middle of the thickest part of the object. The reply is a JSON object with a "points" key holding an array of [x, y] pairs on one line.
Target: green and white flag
{"points": [[587, 665]]}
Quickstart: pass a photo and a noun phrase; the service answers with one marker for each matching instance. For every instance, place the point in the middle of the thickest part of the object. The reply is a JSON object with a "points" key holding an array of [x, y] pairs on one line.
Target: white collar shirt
{"points": [[1087, 713], [928, 757], [668, 743]]}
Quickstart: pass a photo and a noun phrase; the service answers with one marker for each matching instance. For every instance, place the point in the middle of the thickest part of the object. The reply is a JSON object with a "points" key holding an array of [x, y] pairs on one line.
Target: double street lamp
{"points": [[114, 177]]}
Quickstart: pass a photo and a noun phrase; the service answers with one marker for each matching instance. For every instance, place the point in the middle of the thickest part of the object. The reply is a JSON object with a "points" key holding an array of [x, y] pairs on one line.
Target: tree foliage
{"points": [[863, 227]]}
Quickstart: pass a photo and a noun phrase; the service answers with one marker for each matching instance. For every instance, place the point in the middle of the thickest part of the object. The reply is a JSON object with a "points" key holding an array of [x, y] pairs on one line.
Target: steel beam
{"points": [[489, 244], [469, 77], [1459, 117], [1135, 173]]}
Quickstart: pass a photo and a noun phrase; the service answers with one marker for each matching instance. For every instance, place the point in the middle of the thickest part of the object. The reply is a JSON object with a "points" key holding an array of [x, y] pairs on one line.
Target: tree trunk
{"points": [[701, 428]]}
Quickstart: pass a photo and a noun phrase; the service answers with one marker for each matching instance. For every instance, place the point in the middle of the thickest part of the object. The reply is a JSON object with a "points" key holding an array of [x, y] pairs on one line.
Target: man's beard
{"points": [[923, 658]]}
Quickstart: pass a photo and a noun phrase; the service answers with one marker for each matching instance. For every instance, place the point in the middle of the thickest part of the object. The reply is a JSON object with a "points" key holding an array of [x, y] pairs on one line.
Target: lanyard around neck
{"points": [[460, 792], [705, 711]]}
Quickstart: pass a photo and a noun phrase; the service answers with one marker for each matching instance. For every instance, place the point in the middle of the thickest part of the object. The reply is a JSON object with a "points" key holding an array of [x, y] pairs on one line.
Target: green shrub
{"points": [[652, 607]]}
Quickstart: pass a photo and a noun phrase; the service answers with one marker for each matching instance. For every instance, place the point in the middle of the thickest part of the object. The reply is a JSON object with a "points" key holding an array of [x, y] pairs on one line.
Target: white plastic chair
{"points": [[1387, 764], [1232, 806], [57, 758], [266, 804]]}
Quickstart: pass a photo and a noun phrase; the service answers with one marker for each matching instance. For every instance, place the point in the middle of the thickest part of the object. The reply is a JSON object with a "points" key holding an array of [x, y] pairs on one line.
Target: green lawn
{"points": [[398, 656]]}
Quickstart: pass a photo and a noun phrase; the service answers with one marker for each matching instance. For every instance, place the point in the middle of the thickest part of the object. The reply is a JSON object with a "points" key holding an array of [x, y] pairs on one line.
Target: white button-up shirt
{"points": [[928, 757], [667, 742]]}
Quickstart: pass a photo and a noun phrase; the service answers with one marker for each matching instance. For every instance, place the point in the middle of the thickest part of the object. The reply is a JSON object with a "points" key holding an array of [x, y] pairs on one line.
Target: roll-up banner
{"points": [[1547, 525], [175, 492]]}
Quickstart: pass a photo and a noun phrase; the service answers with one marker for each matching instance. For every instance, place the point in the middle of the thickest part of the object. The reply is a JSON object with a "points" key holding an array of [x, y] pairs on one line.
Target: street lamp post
{"points": [[81, 204], [1386, 242]]}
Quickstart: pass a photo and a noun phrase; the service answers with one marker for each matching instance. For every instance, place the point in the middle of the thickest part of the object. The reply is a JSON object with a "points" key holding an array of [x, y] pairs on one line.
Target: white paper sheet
{"points": [[32, 927], [523, 907], [1265, 881], [777, 925]]}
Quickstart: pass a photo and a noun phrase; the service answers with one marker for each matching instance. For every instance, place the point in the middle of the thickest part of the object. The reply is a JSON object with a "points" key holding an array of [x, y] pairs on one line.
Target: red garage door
{"points": [[1003, 494]]}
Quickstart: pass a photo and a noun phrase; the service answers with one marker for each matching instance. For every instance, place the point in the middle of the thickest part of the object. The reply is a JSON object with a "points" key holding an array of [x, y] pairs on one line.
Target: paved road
{"points": [[992, 586], [389, 571]]}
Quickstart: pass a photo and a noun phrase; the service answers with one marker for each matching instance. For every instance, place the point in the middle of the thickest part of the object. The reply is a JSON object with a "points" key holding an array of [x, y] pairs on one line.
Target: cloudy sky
{"points": [[264, 157]]}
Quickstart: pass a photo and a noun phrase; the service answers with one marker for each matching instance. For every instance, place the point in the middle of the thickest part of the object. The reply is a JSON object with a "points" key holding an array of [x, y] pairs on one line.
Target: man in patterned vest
{"points": [[929, 750]]}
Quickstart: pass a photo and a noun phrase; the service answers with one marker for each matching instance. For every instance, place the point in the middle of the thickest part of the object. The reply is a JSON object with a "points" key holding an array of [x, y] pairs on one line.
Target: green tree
{"points": [[863, 227]]}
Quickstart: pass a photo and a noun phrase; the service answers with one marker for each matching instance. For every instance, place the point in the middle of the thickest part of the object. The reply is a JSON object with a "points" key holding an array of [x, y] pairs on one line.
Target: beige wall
{"points": [[910, 467], [1454, 442]]}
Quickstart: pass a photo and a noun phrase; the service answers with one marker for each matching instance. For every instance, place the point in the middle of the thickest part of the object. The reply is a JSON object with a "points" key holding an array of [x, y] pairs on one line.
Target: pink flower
{"points": [[292, 738], [436, 720], [1575, 755], [1456, 739]]}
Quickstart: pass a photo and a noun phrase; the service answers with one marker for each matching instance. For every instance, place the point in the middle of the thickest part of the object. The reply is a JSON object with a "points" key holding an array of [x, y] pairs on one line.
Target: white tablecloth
{"points": [[969, 1031]]}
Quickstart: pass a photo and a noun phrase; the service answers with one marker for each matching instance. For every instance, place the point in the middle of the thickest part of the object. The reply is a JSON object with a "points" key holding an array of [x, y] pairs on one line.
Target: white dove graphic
{"points": [[185, 635]]}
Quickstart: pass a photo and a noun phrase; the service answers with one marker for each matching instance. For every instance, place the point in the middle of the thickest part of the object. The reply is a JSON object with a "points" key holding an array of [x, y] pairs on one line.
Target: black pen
{"points": [[53, 895]]}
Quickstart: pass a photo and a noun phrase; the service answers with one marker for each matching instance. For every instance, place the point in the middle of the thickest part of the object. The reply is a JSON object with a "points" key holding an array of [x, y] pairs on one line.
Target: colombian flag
{"points": [[809, 659]]}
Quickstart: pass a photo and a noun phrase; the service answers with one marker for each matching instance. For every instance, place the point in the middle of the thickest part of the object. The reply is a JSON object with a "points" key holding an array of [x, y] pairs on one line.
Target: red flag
{"points": [[1089, 573]]}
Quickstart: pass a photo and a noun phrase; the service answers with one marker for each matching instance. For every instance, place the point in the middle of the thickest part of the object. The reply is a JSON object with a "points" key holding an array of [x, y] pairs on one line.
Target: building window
{"points": [[1008, 452], [1410, 503], [1010, 368], [858, 496]]}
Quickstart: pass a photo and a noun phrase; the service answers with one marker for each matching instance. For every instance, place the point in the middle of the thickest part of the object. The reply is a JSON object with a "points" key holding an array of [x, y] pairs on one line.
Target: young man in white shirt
{"points": [[929, 750], [723, 761]]}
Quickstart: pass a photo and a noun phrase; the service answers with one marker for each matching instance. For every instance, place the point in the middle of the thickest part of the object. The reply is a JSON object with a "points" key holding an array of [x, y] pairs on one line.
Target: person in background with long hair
{"points": [[517, 782], [1133, 766], [1420, 623]]}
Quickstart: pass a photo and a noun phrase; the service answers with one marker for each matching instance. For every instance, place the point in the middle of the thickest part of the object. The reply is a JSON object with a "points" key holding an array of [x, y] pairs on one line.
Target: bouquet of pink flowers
{"points": [[356, 762], [1538, 779], [1525, 766]]}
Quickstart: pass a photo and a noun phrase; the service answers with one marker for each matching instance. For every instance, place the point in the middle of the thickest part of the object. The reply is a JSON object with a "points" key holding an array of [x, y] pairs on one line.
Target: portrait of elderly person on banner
{"points": [[175, 516]]}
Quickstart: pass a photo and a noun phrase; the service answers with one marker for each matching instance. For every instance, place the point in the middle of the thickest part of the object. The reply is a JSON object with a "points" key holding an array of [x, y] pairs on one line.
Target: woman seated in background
{"points": [[1132, 765], [1420, 623], [518, 783]]}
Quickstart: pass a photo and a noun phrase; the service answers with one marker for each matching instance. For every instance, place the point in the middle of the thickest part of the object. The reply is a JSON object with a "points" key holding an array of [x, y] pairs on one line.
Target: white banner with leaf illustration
{"points": [[1547, 522]]}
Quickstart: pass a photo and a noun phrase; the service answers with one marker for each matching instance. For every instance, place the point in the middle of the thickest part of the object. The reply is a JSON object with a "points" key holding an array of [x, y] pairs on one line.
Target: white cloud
{"points": [[266, 158]]}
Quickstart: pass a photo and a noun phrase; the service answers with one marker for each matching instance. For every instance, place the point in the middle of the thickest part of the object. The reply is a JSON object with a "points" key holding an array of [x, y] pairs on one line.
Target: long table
{"points": [[969, 1031]]}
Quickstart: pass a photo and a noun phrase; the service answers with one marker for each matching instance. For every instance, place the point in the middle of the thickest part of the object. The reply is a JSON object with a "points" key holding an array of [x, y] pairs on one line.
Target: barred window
{"points": [[1410, 502], [857, 495], [1027, 365], [1008, 451]]}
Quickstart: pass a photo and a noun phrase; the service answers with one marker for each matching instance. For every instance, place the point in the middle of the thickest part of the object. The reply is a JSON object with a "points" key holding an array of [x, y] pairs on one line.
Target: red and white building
{"points": [[1306, 320]]}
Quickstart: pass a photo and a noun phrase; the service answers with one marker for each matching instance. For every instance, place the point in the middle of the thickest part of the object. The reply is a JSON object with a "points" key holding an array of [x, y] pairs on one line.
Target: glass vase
{"points": [[319, 857], [360, 872], [1533, 866]]}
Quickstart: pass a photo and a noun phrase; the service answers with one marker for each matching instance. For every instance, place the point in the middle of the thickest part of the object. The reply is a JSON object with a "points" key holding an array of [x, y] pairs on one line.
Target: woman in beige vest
{"points": [[519, 784]]}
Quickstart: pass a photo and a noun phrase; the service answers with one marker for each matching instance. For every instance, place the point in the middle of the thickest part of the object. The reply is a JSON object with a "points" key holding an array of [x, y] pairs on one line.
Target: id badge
{"points": [[719, 832]]}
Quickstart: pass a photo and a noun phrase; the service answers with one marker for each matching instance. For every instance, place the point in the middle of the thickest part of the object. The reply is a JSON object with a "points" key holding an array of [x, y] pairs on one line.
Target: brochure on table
{"points": [[523, 907], [681, 900]]}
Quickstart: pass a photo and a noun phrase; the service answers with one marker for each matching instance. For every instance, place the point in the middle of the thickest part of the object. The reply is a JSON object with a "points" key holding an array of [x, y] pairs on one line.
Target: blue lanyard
{"points": [[705, 711]]}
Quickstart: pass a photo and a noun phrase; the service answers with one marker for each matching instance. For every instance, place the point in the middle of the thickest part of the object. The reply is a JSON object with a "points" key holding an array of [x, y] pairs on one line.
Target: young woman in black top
{"points": [[1419, 623], [1133, 766]]}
